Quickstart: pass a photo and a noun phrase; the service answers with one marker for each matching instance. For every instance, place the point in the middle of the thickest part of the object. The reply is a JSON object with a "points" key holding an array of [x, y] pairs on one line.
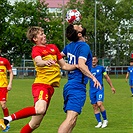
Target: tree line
{"points": [[113, 32]]}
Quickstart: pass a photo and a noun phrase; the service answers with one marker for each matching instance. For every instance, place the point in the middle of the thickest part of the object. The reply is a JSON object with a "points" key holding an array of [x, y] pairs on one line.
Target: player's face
{"points": [[131, 63], [40, 38], [94, 61], [80, 29]]}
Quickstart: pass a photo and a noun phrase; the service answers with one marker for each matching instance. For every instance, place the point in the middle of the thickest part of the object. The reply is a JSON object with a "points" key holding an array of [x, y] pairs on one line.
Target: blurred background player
{"points": [[74, 92], [130, 75], [97, 95], [47, 59], [5, 86]]}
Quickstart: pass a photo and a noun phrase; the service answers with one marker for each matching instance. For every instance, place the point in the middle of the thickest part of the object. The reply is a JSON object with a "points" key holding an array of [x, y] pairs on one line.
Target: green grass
{"points": [[118, 107]]}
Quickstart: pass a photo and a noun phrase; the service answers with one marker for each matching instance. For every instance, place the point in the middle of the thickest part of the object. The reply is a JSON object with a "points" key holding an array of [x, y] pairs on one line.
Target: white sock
{"points": [[9, 118]]}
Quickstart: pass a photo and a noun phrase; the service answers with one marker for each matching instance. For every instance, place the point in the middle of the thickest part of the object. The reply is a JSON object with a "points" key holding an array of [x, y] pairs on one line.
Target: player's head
{"points": [[94, 60], [34, 33], [75, 32], [131, 62]]}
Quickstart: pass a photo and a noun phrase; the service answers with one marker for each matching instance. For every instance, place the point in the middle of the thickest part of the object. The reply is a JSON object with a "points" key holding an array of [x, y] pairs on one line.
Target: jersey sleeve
{"points": [[104, 70], [84, 51], [35, 52], [8, 65]]}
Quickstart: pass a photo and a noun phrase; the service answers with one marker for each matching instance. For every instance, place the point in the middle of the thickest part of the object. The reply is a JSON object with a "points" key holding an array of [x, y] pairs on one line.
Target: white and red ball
{"points": [[73, 16]]}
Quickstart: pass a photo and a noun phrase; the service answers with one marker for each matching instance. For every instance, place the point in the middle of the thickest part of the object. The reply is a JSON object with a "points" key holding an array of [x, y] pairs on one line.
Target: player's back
{"points": [[74, 51]]}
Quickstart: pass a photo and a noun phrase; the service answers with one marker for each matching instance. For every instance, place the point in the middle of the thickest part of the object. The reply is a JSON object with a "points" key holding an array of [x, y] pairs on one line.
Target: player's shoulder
{"points": [[3, 59], [53, 46], [83, 45], [100, 66]]}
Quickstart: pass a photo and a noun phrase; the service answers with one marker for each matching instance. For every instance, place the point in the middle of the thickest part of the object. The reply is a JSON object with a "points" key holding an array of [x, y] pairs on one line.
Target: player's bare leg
{"points": [[41, 107], [69, 123], [33, 124]]}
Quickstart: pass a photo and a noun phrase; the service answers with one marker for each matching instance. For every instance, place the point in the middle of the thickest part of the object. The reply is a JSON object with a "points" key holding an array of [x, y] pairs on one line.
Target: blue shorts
{"points": [[96, 96], [74, 97], [131, 82]]}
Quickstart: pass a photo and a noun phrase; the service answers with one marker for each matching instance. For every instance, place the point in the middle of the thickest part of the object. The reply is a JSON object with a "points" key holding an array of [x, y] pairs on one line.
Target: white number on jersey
{"points": [[72, 58]]}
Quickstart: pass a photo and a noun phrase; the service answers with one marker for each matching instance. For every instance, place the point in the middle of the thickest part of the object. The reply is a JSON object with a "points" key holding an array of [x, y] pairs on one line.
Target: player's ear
{"points": [[34, 39]]}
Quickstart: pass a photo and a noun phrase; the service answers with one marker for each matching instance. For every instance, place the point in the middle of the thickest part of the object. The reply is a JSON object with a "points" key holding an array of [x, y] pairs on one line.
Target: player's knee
{"points": [[3, 105], [99, 105], [95, 106], [34, 126], [41, 111]]}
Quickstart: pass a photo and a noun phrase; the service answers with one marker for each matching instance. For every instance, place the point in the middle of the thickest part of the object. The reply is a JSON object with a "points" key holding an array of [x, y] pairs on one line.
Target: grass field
{"points": [[118, 107]]}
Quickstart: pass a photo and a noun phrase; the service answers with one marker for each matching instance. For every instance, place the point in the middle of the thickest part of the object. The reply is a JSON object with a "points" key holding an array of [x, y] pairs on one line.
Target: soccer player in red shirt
{"points": [[47, 60], [5, 86]]}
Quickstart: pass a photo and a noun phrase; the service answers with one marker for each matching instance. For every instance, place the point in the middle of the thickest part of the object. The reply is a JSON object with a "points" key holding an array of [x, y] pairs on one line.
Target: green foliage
{"points": [[114, 27], [5, 9]]}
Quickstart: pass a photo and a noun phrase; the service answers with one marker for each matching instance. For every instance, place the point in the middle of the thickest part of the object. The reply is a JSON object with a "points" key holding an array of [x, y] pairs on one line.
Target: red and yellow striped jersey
{"points": [[47, 75]]}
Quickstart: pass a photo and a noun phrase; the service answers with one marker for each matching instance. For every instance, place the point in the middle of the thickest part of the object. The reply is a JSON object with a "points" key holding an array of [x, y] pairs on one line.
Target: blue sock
{"points": [[104, 115], [132, 90], [98, 117]]}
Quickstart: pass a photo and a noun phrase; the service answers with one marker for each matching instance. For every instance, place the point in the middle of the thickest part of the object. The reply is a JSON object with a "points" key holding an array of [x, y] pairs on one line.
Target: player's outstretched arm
{"points": [[41, 63], [66, 66]]}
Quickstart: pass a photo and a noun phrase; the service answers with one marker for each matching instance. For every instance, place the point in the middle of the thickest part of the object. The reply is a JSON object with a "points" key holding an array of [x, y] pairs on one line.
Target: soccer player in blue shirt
{"points": [[97, 95], [77, 52], [130, 75]]}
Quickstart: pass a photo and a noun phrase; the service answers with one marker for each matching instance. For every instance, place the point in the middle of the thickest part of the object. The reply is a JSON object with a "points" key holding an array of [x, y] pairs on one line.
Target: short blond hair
{"points": [[32, 32]]}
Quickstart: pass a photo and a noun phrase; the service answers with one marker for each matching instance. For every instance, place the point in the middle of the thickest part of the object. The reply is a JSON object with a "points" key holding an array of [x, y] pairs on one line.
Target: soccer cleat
{"points": [[2, 124], [98, 125], [105, 123], [7, 128]]}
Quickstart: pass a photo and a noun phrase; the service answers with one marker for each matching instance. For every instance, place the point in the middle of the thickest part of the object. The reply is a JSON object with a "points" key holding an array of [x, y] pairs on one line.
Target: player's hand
{"points": [[49, 62], [77, 66], [97, 84], [113, 90], [9, 87]]}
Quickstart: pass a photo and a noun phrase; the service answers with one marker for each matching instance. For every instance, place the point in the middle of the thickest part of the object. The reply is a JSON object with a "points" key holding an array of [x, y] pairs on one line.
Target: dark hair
{"points": [[131, 60], [71, 33], [94, 56]]}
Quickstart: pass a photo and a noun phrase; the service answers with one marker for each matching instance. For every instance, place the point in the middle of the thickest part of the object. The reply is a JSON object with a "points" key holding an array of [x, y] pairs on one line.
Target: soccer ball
{"points": [[73, 16]]}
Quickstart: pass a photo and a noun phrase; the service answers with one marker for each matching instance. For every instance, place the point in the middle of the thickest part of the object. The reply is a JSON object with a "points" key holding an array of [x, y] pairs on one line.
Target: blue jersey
{"points": [[98, 73], [130, 70], [74, 51]]}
